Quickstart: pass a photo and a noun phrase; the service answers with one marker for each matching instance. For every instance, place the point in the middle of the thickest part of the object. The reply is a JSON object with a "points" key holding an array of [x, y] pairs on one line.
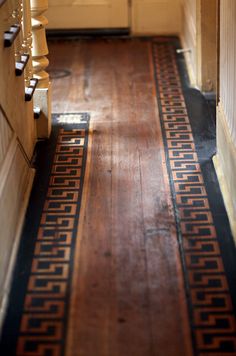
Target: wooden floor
{"points": [[128, 297]]}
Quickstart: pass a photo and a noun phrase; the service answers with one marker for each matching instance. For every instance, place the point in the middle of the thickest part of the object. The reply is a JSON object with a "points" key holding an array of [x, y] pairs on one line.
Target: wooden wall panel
{"points": [[156, 17], [12, 89], [147, 16], [15, 180], [17, 140], [189, 35], [6, 135], [91, 14], [199, 37]]}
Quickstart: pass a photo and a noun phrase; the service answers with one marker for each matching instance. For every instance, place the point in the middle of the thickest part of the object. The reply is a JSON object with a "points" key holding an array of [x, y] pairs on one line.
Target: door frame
{"points": [[207, 45]]}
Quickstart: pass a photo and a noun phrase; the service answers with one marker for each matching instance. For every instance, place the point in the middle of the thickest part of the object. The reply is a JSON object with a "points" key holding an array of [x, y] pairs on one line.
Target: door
{"points": [[88, 14]]}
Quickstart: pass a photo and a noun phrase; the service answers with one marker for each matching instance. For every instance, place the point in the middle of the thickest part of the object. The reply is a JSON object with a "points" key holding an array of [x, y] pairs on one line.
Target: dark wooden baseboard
{"points": [[76, 33]]}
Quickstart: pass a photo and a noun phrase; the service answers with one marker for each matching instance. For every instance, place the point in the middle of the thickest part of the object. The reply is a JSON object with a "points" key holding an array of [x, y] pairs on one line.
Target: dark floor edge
{"points": [[26, 307], [207, 112], [202, 332]]}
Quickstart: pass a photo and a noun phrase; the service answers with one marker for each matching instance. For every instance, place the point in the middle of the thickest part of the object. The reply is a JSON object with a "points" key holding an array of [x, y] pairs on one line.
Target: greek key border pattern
{"points": [[44, 317], [211, 312]]}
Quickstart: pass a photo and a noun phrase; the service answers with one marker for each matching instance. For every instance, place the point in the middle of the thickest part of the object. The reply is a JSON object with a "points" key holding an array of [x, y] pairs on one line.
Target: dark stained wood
{"points": [[10, 36], [127, 296], [20, 65], [2, 2], [29, 91]]}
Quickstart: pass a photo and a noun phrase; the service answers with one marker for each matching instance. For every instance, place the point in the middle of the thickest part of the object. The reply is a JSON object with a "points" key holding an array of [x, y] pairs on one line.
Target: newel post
{"points": [[42, 96]]}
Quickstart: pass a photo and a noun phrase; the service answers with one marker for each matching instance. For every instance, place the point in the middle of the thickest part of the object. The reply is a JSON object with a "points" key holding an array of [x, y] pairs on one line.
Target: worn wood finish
{"points": [[127, 296]]}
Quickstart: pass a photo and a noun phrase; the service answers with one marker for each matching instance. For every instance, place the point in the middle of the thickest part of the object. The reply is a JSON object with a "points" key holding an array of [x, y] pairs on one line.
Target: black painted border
{"points": [[44, 149], [224, 236]]}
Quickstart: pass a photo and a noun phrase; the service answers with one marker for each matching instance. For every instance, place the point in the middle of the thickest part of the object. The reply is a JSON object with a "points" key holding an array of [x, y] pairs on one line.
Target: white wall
{"points": [[228, 64], [226, 114]]}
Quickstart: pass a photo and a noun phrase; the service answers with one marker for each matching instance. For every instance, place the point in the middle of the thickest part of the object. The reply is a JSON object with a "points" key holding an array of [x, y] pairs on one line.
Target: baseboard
{"points": [[225, 166], [78, 33], [211, 95], [9, 274]]}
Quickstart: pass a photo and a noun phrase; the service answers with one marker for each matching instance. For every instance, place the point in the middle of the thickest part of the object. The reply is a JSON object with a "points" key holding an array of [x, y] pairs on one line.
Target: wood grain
{"points": [[17, 140], [127, 296], [12, 91], [5, 136], [16, 179]]}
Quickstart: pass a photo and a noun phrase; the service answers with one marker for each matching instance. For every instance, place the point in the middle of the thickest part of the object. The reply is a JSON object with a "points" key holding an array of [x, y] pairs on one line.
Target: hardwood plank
{"points": [[91, 280], [128, 295]]}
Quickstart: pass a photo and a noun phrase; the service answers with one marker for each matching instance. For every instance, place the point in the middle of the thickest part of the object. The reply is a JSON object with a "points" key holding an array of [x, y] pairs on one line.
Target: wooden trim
{"points": [[188, 62], [9, 275], [6, 165], [2, 2], [218, 54], [203, 43], [29, 91], [207, 45], [66, 33], [11, 35], [20, 65]]}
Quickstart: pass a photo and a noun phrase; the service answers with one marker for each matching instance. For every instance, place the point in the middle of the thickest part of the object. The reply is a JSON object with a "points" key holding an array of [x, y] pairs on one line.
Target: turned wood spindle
{"points": [[42, 95], [40, 48]]}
